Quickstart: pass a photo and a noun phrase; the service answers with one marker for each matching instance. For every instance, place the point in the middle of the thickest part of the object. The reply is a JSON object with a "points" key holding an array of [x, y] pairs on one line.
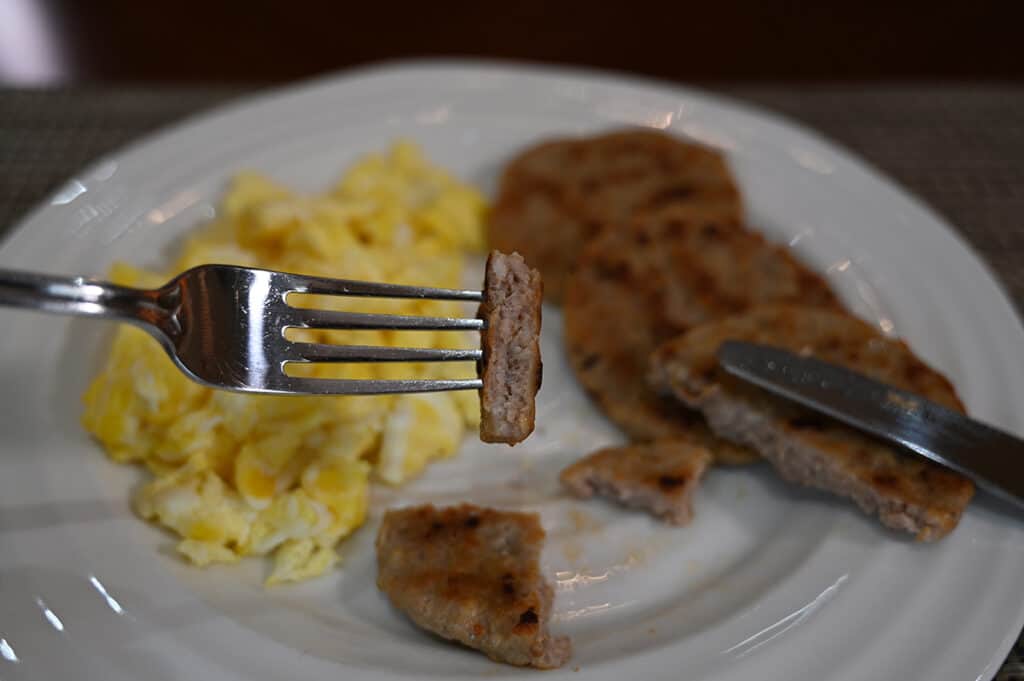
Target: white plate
{"points": [[768, 582]]}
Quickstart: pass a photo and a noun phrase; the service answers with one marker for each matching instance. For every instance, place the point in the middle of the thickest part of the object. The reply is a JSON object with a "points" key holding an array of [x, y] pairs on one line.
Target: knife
{"points": [[993, 459]]}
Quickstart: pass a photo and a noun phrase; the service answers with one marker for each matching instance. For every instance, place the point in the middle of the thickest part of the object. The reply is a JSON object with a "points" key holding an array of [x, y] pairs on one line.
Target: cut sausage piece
{"points": [[511, 366], [907, 492], [658, 477], [471, 574]]}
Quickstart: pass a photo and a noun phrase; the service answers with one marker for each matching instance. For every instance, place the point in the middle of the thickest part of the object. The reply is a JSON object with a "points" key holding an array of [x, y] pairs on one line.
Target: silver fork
{"points": [[224, 325]]}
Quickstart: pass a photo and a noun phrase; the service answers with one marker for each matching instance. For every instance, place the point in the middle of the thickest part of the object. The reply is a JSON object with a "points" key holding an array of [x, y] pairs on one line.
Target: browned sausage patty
{"points": [[471, 575], [556, 196], [658, 276], [659, 477], [907, 492], [511, 368]]}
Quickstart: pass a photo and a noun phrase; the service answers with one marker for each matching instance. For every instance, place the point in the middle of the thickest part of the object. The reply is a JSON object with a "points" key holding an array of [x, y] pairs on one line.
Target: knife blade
{"points": [[993, 459]]}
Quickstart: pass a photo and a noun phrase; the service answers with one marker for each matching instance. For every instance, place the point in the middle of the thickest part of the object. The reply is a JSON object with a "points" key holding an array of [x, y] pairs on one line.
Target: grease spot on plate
{"points": [[583, 521]]}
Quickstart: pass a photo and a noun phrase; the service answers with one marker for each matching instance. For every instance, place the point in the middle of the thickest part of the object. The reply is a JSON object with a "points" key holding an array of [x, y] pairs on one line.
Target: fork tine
{"points": [[315, 352], [331, 319], [339, 386], [295, 283]]}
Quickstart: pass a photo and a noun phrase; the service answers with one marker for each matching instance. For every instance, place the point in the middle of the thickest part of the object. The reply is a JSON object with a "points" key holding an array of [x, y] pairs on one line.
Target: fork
{"points": [[223, 326]]}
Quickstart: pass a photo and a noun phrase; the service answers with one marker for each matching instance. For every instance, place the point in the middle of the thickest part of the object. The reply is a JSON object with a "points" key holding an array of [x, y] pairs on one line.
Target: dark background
{"points": [[167, 41]]}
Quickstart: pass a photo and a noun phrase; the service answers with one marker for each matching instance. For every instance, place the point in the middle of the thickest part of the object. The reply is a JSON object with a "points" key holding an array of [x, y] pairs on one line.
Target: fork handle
{"points": [[79, 296]]}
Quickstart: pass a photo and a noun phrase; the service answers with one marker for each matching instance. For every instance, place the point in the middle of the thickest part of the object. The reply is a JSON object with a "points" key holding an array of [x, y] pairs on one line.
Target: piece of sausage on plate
{"points": [[659, 477], [906, 492], [472, 575], [511, 365]]}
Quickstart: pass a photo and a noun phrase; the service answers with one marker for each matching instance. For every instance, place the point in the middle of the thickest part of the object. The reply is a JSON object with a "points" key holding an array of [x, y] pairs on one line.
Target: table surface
{"points": [[960, 148]]}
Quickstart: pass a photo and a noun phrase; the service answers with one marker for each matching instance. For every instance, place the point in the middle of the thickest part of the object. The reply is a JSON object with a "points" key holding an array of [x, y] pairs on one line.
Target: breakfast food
{"points": [[511, 366], [659, 477], [656, 277], [558, 195], [241, 475], [471, 575], [907, 492]]}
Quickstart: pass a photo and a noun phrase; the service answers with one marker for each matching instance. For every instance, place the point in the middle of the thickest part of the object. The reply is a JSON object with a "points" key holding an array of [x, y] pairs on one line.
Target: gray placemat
{"points": [[959, 148]]}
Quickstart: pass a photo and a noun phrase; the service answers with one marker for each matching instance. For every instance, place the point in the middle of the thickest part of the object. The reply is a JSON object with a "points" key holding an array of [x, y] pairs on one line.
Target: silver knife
{"points": [[994, 460]]}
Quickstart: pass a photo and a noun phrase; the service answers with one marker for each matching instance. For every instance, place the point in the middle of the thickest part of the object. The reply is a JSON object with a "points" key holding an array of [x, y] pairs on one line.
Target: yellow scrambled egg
{"points": [[238, 475]]}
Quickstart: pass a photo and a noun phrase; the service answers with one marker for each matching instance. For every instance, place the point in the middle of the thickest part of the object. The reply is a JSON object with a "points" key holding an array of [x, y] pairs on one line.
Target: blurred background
{"points": [[47, 42]]}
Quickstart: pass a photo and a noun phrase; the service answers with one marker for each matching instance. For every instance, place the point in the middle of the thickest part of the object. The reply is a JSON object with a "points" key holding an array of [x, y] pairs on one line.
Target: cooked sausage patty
{"points": [[471, 574], [659, 477], [907, 492], [662, 274], [511, 367], [558, 195]]}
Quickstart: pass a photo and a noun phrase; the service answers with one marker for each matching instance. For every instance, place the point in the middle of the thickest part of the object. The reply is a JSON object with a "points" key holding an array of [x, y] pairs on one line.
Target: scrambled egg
{"points": [[239, 475]]}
